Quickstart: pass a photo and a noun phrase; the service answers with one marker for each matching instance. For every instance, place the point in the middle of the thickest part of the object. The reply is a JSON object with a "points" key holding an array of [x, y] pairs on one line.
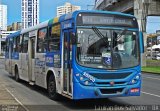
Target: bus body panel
{"points": [[24, 66], [82, 91], [40, 69], [85, 92], [56, 73]]}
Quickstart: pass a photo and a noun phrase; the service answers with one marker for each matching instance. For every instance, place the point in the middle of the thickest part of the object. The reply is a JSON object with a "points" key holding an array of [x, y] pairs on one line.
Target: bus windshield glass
{"points": [[107, 49]]}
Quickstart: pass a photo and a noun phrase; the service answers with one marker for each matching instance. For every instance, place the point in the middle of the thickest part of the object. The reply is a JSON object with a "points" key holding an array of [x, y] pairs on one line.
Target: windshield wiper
{"points": [[99, 34]]}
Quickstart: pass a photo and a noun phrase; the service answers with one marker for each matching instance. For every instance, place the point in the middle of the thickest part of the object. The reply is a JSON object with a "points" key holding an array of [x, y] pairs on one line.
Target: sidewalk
{"points": [[7, 101], [5, 97]]}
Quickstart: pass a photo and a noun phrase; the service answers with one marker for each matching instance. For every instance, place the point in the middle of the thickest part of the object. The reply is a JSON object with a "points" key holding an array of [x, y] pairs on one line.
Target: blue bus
{"points": [[80, 55]]}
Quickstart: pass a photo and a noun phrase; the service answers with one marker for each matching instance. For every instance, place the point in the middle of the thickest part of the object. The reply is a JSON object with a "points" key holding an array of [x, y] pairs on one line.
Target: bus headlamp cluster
{"points": [[135, 79], [84, 80]]}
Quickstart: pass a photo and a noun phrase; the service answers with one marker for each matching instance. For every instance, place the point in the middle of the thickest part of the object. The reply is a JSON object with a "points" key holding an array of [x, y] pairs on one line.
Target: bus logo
{"points": [[112, 83]]}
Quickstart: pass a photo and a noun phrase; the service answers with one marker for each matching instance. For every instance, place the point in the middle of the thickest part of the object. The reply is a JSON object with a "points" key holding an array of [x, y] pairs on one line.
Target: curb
{"points": [[150, 72], [2, 57]]}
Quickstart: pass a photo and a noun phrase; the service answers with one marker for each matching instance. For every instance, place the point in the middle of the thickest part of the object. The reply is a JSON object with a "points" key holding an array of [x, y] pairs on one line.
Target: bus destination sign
{"points": [[106, 20]]}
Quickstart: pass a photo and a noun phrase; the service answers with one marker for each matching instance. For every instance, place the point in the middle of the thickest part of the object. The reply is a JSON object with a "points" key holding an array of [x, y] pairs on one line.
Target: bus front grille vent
{"points": [[111, 75], [108, 83]]}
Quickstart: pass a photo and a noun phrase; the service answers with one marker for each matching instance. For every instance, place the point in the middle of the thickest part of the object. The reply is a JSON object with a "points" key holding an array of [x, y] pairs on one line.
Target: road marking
{"points": [[152, 78], [150, 94], [17, 100]]}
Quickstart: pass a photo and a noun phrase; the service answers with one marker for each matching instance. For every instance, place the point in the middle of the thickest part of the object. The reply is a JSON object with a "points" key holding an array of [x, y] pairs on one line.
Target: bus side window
{"points": [[11, 45], [25, 43], [16, 43], [42, 40], [54, 38]]}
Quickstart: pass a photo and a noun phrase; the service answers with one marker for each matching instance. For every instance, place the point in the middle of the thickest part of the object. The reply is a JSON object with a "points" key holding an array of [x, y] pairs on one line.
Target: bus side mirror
{"points": [[141, 42], [73, 38]]}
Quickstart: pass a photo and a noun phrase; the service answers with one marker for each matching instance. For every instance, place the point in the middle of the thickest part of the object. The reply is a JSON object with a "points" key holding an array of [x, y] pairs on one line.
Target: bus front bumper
{"points": [[91, 92]]}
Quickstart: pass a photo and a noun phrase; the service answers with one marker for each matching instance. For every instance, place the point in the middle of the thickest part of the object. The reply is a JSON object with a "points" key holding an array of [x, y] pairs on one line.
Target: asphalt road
{"points": [[34, 98]]}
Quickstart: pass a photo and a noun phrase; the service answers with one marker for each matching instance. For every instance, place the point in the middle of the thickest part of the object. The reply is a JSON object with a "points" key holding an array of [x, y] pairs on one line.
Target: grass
{"points": [[150, 60], [152, 69]]}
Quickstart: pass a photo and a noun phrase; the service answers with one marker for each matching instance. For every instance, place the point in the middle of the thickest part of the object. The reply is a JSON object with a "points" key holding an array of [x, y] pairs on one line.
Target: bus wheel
{"points": [[52, 88], [16, 75]]}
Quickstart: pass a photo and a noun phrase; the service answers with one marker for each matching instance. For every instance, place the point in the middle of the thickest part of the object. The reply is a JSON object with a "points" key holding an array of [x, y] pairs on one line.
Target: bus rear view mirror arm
{"points": [[73, 38], [141, 42]]}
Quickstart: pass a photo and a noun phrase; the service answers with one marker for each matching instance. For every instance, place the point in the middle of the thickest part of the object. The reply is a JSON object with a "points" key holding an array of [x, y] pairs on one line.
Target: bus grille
{"points": [[108, 83], [111, 75], [111, 91]]}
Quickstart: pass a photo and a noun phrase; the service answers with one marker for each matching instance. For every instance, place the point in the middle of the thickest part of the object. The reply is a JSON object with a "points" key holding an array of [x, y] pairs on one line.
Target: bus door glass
{"points": [[24, 56], [67, 66], [7, 55], [10, 54], [31, 58]]}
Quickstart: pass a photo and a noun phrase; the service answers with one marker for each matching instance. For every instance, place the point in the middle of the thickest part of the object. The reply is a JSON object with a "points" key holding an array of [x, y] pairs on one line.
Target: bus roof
{"points": [[63, 18], [14, 34], [41, 25], [75, 13]]}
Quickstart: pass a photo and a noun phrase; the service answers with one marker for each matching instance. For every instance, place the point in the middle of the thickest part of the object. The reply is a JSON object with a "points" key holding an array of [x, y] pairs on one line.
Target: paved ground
{"points": [[34, 98]]}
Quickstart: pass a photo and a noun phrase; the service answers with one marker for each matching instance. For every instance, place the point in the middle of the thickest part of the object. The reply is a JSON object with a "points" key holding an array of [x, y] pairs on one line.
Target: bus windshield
{"points": [[107, 49]]}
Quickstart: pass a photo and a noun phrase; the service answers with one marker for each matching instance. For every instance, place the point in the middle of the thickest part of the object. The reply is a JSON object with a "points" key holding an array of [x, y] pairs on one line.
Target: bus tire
{"points": [[16, 74], [52, 88]]}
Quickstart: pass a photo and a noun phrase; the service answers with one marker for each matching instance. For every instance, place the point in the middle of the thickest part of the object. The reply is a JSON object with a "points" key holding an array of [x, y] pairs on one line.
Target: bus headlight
{"points": [[81, 78], [84, 80], [135, 79], [138, 77]]}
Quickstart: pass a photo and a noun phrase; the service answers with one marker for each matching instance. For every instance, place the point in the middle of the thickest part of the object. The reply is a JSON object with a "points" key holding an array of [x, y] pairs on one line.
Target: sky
{"points": [[153, 24], [47, 8], [48, 11]]}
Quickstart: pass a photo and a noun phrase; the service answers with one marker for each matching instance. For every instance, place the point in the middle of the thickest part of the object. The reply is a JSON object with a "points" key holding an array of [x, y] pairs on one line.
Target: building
{"points": [[16, 26], [151, 40], [67, 8], [3, 17], [29, 13], [9, 28]]}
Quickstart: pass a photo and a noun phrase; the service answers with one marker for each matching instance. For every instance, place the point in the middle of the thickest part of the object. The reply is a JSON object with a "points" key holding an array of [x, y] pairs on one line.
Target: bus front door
{"points": [[67, 63]]}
